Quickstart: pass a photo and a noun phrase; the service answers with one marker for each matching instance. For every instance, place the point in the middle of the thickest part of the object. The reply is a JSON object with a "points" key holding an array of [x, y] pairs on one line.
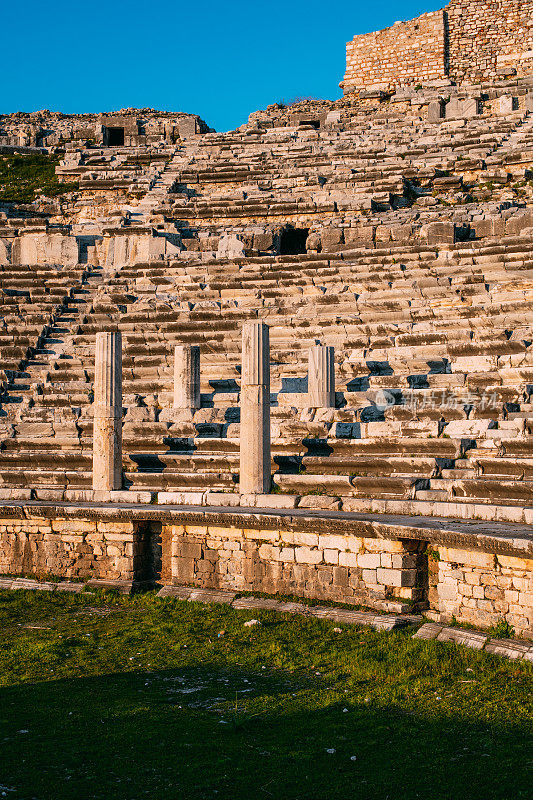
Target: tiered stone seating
{"points": [[432, 338], [30, 299]]}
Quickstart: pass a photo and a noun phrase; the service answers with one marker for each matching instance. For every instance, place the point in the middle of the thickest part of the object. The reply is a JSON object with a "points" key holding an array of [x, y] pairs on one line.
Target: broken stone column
{"points": [[321, 376], [186, 376], [255, 409], [107, 423]]}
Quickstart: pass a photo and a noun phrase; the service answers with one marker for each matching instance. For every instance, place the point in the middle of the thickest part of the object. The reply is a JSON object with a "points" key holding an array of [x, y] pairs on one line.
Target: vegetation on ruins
{"points": [[106, 696], [24, 177]]}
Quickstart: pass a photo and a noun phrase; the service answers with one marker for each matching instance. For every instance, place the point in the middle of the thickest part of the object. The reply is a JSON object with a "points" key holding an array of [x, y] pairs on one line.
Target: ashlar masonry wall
{"points": [[345, 568], [73, 548], [480, 588], [406, 53], [468, 40], [313, 558]]}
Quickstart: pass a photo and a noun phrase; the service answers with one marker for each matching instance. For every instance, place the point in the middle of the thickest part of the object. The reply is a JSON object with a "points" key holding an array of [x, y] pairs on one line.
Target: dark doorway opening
{"points": [[314, 123], [115, 137], [293, 241]]}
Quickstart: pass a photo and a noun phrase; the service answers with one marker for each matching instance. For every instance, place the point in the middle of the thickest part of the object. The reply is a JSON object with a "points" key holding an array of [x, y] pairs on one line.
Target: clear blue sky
{"points": [[221, 60]]}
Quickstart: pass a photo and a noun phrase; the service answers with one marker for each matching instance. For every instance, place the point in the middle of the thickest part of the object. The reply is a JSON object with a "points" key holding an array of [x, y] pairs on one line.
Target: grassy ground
{"points": [[130, 698], [25, 177]]}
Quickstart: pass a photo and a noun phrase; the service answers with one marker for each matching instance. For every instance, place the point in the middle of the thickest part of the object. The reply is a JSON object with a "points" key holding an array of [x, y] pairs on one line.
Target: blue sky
{"points": [[219, 60]]}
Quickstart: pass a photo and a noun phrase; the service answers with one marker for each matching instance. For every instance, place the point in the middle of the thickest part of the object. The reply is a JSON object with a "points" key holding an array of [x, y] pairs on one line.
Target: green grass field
{"points": [[128, 698], [25, 177]]}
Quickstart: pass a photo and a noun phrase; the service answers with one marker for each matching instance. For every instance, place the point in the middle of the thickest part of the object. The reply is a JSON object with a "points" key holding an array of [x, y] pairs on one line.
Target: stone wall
{"points": [[351, 569], [408, 52], [480, 589], [467, 41], [490, 39], [72, 548], [413, 569]]}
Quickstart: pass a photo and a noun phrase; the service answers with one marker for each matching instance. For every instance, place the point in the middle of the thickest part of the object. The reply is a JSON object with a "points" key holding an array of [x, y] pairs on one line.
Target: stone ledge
{"points": [[48, 586], [461, 511], [477, 640], [385, 622], [493, 537]]}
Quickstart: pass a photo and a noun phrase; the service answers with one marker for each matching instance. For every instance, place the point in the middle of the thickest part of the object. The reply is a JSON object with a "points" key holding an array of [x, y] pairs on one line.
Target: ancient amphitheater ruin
{"points": [[296, 357]]}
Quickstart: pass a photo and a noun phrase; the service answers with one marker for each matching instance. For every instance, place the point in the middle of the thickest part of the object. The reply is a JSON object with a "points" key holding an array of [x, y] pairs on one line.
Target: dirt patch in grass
{"points": [[165, 698]]}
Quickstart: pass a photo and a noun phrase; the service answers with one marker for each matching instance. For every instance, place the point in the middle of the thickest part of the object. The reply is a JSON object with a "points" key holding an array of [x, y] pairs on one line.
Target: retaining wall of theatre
{"points": [[362, 563]]}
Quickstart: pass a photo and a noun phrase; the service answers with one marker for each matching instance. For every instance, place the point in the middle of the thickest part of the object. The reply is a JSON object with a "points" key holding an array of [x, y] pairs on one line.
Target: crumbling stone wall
{"points": [[71, 548], [468, 40]]}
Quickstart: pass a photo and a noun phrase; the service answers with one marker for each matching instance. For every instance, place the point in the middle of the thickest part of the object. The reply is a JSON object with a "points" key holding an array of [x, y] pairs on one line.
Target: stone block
{"points": [[435, 111], [305, 555], [508, 648], [369, 576], [448, 592], [471, 639], [505, 104], [332, 541], [180, 498], [287, 554], [369, 560], [430, 630], [189, 549], [319, 502], [269, 552], [276, 500], [470, 558], [331, 556], [396, 577], [300, 537], [348, 559], [514, 563], [438, 232], [222, 499], [261, 535]]}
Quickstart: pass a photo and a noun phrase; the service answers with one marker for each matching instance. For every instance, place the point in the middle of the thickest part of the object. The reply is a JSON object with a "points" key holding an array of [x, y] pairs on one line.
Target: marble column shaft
{"points": [[321, 377], [186, 376], [255, 472], [107, 422]]}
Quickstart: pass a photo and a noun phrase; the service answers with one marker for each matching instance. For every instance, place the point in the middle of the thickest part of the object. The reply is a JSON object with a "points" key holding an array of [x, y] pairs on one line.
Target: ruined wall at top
{"points": [[469, 40], [408, 52], [486, 38]]}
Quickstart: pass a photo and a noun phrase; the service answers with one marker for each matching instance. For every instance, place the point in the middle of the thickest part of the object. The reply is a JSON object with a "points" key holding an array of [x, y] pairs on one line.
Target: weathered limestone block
{"points": [[505, 104], [186, 377], [438, 232], [472, 558], [435, 111], [45, 248], [230, 247], [107, 423]]}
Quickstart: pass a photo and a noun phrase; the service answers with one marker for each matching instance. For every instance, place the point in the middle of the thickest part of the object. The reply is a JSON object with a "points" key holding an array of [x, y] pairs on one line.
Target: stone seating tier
{"points": [[432, 336]]}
